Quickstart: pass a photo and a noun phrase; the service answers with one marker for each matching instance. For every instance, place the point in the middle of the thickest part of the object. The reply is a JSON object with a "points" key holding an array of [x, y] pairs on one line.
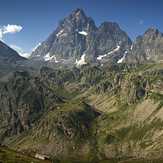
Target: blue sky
{"points": [[26, 23]]}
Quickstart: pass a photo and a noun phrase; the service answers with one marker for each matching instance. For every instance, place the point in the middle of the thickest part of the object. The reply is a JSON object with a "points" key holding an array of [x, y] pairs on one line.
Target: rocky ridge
{"points": [[148, 47], [7, 52], [77, 40]]}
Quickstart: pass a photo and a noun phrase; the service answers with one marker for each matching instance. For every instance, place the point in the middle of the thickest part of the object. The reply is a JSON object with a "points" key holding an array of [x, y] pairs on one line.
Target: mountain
{"points": [[86, 114], [7, 52], [77, 41], [148, 47], [9, 61]]}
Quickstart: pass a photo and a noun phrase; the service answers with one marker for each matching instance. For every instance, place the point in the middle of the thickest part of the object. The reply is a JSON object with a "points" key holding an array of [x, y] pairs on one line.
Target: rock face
{"points": [[108, 43], [7, 52], [79, 40], [23, 100], [146, 47]]}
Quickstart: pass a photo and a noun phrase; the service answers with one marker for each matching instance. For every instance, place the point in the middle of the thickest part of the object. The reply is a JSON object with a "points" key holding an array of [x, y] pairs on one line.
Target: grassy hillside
{"points": [[7, 155], [86, 114]]}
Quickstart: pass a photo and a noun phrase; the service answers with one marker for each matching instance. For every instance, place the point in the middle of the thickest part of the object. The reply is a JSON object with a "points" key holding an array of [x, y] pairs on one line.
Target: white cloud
{"points": [[20, 51], [26, 55], [17, 48], [141, 22], [33, 49], [1, 34], [11, 29]]}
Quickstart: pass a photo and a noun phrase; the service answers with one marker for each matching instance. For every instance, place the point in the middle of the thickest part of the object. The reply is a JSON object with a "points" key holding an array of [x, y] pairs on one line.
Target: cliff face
{"points": [[23, 101]]}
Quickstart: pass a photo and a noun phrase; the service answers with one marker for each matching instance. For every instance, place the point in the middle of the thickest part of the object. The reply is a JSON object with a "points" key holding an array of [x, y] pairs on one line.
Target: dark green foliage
{"points": [[110, 139]]}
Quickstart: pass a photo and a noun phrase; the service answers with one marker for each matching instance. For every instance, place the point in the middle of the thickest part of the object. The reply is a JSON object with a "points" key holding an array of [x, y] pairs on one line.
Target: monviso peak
{"points": [[77, 41]]}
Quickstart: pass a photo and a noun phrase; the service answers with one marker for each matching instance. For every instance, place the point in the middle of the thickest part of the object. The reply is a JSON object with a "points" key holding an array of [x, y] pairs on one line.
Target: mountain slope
{"points": [[34, 118], [68, 39], [107, 44], [128, 122], [146, 47], [23, 100], [78, 41], [130, 97], [10, 61], [7, 155], [7, 52]]}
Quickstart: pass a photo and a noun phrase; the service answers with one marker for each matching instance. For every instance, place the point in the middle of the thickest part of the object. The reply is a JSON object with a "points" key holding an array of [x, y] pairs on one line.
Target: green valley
{"points": [[86, 114]]}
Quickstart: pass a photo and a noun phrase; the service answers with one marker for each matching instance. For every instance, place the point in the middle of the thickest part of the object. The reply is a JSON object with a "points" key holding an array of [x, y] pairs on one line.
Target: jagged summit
{"points": [[78, 21], [109, 25], [78, 12], [77, 41], [146, 47], [151, 31]]}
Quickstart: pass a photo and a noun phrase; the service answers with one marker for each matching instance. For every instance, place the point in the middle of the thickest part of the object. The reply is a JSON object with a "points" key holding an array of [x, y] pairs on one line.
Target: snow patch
{"points": [[59, 33], [131, 46], [102, 56], [64, 34], [117, 48], [78, 13], [81, 61], [82, 33], [120, 60], [48, 58], [55, 59]]}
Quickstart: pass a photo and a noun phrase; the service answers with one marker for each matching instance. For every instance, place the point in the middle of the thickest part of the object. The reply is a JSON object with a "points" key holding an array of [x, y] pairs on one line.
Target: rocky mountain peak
{"points": [[109, 25], [78, 12], [151, 31], [152, 34], [76, 21], [147, 47], [77, 41]]}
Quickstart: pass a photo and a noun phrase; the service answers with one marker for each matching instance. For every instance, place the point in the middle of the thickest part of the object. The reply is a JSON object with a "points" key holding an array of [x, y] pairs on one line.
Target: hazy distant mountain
{"points": [[78, 40], [146, 47]]}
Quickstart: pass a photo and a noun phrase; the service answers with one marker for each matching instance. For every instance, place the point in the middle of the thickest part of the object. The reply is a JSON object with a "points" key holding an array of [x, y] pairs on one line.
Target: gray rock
{"points": [[77, 35], [146, 47]]}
